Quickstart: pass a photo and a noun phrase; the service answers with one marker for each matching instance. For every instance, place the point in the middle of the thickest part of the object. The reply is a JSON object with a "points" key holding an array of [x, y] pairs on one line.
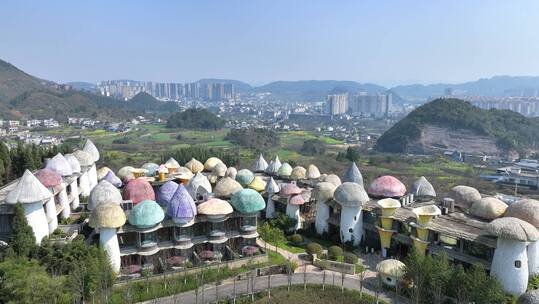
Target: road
{"points": [[228, 288]]}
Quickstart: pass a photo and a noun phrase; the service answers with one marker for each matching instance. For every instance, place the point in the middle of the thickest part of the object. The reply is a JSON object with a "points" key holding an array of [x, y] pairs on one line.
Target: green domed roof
{"points": [[284, 170], [146, 214], [245, 177], [247, 201]]}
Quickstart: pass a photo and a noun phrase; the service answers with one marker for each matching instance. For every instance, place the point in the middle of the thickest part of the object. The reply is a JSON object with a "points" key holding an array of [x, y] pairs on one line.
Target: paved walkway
{"points": [[229, 288]]}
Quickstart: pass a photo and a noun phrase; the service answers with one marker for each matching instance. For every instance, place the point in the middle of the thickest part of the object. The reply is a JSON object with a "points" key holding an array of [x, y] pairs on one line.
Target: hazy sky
{"points": [[388, 42]]}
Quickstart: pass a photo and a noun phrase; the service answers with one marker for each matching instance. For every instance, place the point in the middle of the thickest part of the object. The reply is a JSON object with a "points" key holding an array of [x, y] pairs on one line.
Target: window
{"points": [[148, 239], [388, 279], [351, 230], [517, 264], [355, 218]]}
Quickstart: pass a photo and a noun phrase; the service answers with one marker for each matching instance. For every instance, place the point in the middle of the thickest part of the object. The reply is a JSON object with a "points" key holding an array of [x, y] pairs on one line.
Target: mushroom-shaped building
{"points": [[59, 165], [151, 168], [258, 184], [219, 170], [113, 179], [195, 166], [181, 207], [292, 209], [530, 297], [172, 165], [91, 149], [104, 192], [215, 209], [353, 175], [165, 193], [31, 194], [102, 172], [247, 201], [73, 162], [331, 178], [387, 186], [126, 174], [391, 271], [211, 162], [245, 177], [273, 166], [146, 214], [351, 197], [298, 173], [198, 186], [107, 218], [226, 187], [53, 181], [137, 190], [271, 188], [86, 162], [231, 172], [261, 164], [322, 193], [284, 170], [510, 262], [183, 174], [464, 196], [528, 210], [423, 190], [488, 208], [312, 172]]}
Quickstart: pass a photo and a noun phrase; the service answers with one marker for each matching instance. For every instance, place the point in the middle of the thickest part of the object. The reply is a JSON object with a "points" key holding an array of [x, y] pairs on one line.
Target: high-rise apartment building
{"points": [[337, 104], [376, 105]]}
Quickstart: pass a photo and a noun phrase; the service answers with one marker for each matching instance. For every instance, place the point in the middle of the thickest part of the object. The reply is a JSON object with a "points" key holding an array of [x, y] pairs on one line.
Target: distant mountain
{"points": [[495, 86], [314, 90], [23, 96], [239, 86], [453, 124], [147, 103], [82, 86]]}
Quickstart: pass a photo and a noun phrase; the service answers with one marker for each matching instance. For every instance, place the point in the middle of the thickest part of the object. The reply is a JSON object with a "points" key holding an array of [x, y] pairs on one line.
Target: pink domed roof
{"points": [[290, 189], [138, 190], [387, 186], [48, 178]]}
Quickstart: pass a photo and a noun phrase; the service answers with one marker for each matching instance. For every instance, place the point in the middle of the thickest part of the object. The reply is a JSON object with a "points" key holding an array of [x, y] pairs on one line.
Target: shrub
{"points": [[350, 258], [296, 239], [313, 248], [121, 141], [334, 252]]}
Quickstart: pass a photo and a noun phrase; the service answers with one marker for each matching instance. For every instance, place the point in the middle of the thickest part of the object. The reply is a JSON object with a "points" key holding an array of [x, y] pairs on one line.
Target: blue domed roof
{"points": [[247, 201], [146, 214]]}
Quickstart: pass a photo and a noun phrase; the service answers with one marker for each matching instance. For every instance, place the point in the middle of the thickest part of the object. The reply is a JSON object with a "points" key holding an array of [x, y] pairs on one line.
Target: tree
{"points": [[195, 119], [313, 147], [22, 241]]}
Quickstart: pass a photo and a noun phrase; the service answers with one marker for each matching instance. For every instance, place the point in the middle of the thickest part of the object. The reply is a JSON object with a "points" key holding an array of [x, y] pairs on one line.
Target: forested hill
{"points": [[507, 130]]}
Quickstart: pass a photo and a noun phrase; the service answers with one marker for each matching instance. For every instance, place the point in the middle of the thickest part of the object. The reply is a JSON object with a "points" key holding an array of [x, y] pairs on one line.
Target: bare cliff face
{"points": [[466, 141]]}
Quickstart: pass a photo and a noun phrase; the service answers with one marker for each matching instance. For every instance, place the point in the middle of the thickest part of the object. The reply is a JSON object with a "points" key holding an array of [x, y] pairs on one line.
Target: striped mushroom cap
{"points": [[298, 173], [59, 165], [423, 189], [215, 207], [73, 162], [195, 166], [245, 177], [91, 149], [324, 191], [146, 214], [84, 158], [285, 170], [511, 228], [526, 210], [102, 172], [211, 162], [353, 175], [312, 172], [387, 186], [28, 190], [350, 194], [261, 165], [226, 187], [231, 172], [257, 184], [107, 215], [165, 192], [104, 192], [296, 200], [464, 196], [181, 207], [247, 201], [271, 186], [138, 190], [49, 178]]}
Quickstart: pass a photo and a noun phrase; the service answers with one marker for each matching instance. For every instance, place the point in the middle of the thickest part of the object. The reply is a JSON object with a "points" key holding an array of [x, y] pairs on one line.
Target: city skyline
{"points": [[267, 41]]}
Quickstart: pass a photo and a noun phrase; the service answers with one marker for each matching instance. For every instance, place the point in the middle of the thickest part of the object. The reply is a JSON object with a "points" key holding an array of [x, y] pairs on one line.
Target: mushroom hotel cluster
{"points": [[206, 212]]}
